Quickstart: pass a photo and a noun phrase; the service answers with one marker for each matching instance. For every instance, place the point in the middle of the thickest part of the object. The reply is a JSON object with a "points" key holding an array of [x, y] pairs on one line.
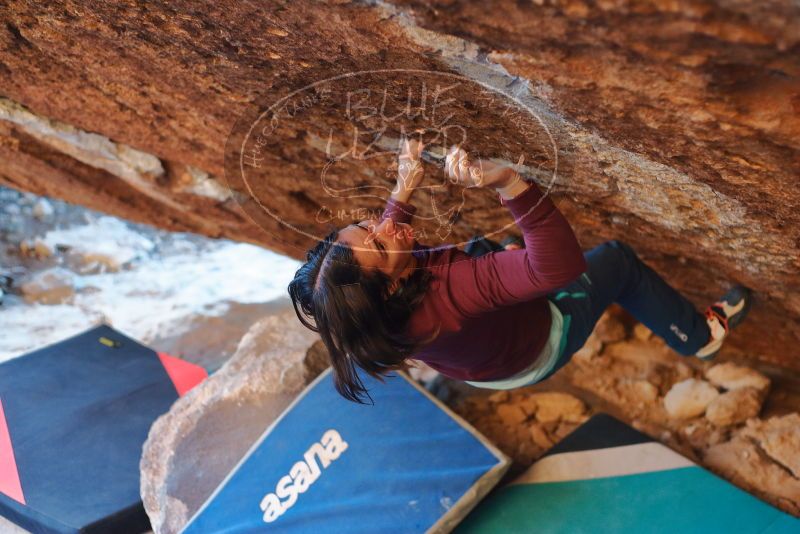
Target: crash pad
{"points": [[608, 477], [73, 418], [404, 463]]}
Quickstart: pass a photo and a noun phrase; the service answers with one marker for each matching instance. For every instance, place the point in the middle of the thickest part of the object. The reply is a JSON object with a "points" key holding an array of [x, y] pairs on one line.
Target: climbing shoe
{"points": [[722, 316]]}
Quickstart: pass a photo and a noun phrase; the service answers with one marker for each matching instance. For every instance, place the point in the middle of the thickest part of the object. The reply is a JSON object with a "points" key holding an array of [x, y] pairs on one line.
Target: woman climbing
{"points": [[506, 319]]}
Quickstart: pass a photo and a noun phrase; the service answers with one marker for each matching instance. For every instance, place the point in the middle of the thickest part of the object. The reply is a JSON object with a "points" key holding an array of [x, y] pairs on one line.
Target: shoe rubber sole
{"points": [[735, 294], [738, 292]]}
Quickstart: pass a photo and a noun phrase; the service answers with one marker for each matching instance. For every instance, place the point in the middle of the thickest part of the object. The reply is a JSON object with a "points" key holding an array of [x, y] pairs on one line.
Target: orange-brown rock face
{"points": [[671, 125]]}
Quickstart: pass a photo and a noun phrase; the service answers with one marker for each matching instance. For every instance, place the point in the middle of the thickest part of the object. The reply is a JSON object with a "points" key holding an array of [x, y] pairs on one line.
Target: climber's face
{"points": [[384, 245]]}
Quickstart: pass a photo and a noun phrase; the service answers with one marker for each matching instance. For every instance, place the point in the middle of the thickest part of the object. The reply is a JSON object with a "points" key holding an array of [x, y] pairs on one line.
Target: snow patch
{"points": [[155, 296], [106, 241]]}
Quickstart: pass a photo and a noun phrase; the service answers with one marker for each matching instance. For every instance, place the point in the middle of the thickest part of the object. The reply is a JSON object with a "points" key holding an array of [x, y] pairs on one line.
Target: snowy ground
{"points": [[73, 268]]}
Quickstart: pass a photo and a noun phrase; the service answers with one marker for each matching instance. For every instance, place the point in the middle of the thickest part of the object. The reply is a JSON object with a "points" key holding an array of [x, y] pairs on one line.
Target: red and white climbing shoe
{"points": [[722, 316]]}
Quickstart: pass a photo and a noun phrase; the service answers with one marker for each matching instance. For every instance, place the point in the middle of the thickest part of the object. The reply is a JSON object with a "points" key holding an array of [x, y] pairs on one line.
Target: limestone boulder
{"points": [[589, 350], [35, 248], [689, 398], [511, 414], [641, 332], [191, 449], [729, 375], [779, 437], [43, 209], [609, 328], [762, 458], [642, 391], [735, 406], [555, 406], [50, 286]]}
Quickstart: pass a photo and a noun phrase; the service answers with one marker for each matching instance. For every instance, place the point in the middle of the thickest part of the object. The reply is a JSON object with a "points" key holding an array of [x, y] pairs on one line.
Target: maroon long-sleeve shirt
{"points": [[492, 309]]}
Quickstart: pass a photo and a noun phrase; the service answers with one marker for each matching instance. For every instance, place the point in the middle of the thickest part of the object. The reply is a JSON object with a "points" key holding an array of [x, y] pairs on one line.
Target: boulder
{"points": [[50, 286], [590, 349], [635, 394], [499, 397], [35, 248], [511, 414], [643, 354], [555, 406], [779, 437], [528, 404], [731, 376], [540, 437], [191, 449], [609, 328], [735, 406], [43, 209], [742, 461], [689, 398], [641, 332], [644, 391]]}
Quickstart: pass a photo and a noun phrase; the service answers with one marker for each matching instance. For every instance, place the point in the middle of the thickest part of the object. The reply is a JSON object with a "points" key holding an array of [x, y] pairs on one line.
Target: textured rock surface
{"points": [[524, 424], [689, 398], [761, 456], [731, 376], [675, 123], [555, 406], [52, 286], [223, 417], [735, 406], [780, 438]]}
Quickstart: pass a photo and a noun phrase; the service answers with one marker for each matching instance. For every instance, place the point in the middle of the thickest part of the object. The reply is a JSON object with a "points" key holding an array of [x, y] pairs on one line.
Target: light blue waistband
{"points": [[544, 362]]}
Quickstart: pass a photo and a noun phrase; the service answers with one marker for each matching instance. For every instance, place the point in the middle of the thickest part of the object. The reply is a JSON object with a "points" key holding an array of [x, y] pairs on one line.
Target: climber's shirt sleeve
{"points": [[552, 258]]}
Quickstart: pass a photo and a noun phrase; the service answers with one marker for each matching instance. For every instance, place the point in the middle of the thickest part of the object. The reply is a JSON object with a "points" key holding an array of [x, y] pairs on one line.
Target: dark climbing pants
{"points": [[616, 274]]}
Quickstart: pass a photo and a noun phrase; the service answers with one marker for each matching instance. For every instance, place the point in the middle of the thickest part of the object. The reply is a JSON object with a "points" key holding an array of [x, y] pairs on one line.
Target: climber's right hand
{"points": [[482, 173]]}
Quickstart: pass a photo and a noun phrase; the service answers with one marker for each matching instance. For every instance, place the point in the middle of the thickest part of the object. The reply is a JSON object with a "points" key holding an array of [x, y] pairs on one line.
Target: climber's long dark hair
{"points": [[358, 319]]}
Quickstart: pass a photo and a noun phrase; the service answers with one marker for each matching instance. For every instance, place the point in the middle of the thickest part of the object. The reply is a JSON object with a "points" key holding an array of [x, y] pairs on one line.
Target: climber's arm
{"points": [[409, 176], [552, 257], [409, 169]]}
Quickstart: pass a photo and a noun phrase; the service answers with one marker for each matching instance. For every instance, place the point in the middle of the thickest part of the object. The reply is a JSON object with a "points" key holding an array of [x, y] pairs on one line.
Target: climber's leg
{"points": [[616, 274], [642, 292]]}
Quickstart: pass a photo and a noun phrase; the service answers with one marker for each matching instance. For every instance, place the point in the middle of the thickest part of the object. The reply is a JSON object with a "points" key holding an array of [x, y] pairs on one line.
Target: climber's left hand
{"points": [[409, 169]]}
